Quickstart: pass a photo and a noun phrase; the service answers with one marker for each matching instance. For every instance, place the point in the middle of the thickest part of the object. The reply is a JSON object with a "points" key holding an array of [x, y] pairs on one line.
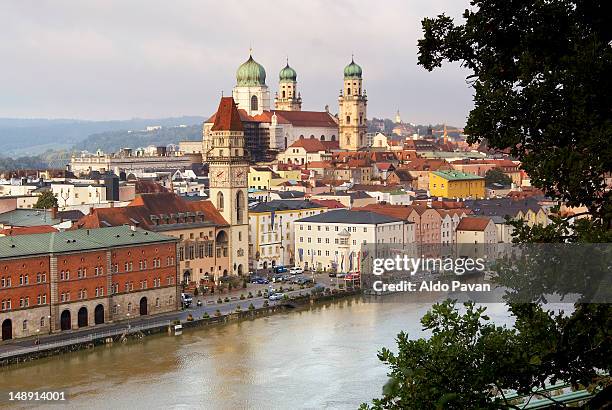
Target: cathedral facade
{"points": [[271, 129]]}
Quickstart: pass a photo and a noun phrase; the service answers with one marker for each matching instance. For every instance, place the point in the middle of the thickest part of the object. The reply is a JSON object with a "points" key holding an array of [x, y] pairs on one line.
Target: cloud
{"points": [[117, 59]]}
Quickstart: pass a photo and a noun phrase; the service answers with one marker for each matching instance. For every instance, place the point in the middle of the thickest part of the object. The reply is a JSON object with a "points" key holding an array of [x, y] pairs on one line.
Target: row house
{"points": [[272, 231], [53, 282]]}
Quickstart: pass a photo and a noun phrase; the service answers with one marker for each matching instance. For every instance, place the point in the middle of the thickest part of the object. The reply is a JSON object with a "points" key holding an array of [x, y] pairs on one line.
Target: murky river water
{"points": [[315, 359]]}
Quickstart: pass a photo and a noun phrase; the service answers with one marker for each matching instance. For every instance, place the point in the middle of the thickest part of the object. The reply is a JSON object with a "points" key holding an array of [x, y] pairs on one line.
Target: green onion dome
{"points": [[287, 74], [352, 70], [251, 73]]}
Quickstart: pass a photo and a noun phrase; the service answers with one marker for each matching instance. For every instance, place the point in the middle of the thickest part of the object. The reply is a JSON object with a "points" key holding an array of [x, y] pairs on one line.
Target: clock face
{"points": [[239, 177], [218, 177]]}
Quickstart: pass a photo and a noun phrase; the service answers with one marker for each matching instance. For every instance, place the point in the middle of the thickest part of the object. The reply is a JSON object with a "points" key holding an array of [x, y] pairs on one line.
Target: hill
{"points": [[114, 140], [22, 137]]}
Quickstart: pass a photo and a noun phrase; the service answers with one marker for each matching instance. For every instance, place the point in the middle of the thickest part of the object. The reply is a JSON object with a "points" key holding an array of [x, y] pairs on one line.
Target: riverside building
{"points": [[59, 281]]}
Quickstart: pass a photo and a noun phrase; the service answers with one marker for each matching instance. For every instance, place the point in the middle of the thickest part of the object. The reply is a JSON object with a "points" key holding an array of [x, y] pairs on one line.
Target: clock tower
{"points": [[228, 172]]}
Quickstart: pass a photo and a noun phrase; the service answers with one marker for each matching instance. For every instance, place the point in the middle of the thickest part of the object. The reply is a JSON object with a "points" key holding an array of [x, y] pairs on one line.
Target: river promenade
{"points": [[210, 312]]}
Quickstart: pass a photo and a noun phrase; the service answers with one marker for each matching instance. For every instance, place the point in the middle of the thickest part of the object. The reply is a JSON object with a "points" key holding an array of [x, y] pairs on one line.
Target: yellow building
{"points": [[290, 174], [262, 178], [456, 184]]}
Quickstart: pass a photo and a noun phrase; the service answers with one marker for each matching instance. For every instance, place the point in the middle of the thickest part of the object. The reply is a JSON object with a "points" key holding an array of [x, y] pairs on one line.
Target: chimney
{"points": [[54, 212]]}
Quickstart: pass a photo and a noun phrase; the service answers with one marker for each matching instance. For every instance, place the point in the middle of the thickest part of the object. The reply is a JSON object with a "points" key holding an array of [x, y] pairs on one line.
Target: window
{"points": [[25, 325], [42, 321], [254, 103], [220, 201]]}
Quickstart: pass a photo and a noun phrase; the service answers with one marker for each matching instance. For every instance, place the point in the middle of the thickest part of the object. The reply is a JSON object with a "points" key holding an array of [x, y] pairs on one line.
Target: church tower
{"points": [[352, 104], [251, 92], [287, 97], [228, 171]]}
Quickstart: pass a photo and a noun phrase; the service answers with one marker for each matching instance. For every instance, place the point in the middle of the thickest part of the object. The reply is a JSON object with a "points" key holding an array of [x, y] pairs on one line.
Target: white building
{"points": [[335, 240]]}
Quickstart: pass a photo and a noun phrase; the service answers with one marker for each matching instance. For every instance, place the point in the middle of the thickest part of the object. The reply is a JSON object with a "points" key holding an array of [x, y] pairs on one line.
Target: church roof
{"points": [[308, 118], [251, 73], [227, 117], [314, 145]]}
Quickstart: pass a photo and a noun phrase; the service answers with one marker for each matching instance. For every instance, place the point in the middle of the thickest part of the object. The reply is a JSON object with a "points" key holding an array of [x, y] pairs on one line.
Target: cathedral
{"points": [[246, 128], [269, 129]]}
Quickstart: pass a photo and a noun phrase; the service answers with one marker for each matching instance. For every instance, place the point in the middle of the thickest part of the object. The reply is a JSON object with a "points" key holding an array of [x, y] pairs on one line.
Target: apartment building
{"points": [[337, 240]]}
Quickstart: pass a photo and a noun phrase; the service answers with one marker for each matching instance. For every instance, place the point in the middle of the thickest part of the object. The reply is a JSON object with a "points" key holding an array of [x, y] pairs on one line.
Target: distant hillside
{"points": [[21, 137], [114, 140]]}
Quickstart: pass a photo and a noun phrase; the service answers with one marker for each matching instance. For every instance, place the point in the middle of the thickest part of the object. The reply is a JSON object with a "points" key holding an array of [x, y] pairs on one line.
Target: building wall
{"points": [[24, 294], [442, 187], [321, 243], [274, 241], [50, 290]]}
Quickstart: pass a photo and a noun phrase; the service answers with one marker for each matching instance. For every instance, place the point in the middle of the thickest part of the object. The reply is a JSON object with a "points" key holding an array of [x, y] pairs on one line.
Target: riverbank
{"points": [[120, 332]]}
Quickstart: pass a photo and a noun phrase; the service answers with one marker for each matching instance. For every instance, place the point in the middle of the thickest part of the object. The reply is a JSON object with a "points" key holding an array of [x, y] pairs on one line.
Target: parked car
{"points": [[296, 270], [186, 299], [280, 278], [304, 280], [276, 296], [340, 275], [332, 274], [259, 280]]}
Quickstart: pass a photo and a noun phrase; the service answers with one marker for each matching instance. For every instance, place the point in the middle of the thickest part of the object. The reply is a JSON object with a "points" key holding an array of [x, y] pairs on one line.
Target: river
{"points": [[324, 357]]}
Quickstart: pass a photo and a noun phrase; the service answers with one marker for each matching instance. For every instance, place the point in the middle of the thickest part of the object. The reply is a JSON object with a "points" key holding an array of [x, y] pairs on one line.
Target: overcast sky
{"points": [[123, 59]]}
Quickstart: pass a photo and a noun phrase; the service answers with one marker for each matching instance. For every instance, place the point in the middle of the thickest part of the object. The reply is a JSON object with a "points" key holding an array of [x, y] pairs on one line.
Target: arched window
{"points": [[283, 93], [348, 91], [254, 104], [333, 137], [322, 137], [239, 206], [348, 119], [220, 201], [301, 137], [311, 136]]}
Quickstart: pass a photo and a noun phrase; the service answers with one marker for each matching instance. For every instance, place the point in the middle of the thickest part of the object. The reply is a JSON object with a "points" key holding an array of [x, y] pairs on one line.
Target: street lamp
{"points": [[128, 320], [38, 339]]}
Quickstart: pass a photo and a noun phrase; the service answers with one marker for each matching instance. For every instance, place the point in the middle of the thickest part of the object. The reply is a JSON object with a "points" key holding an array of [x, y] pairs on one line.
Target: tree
{"points": [[497, 176], [46, 200], [541, 76], [541, 72]]}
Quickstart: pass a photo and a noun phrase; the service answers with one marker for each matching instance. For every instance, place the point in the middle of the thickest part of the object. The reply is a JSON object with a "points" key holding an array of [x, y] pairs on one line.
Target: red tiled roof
{"points": [[423, 164], [27, 230], [470, 223], [145, 205], [309, 144], [148, 187], [307, 118], [328, 203], [227, 117], [384, 166], [394, 211], [319, 164]]}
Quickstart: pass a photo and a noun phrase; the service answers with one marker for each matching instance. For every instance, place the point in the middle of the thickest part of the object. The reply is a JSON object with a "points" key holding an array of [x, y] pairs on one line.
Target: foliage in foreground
{"points": [[541, 77]]}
